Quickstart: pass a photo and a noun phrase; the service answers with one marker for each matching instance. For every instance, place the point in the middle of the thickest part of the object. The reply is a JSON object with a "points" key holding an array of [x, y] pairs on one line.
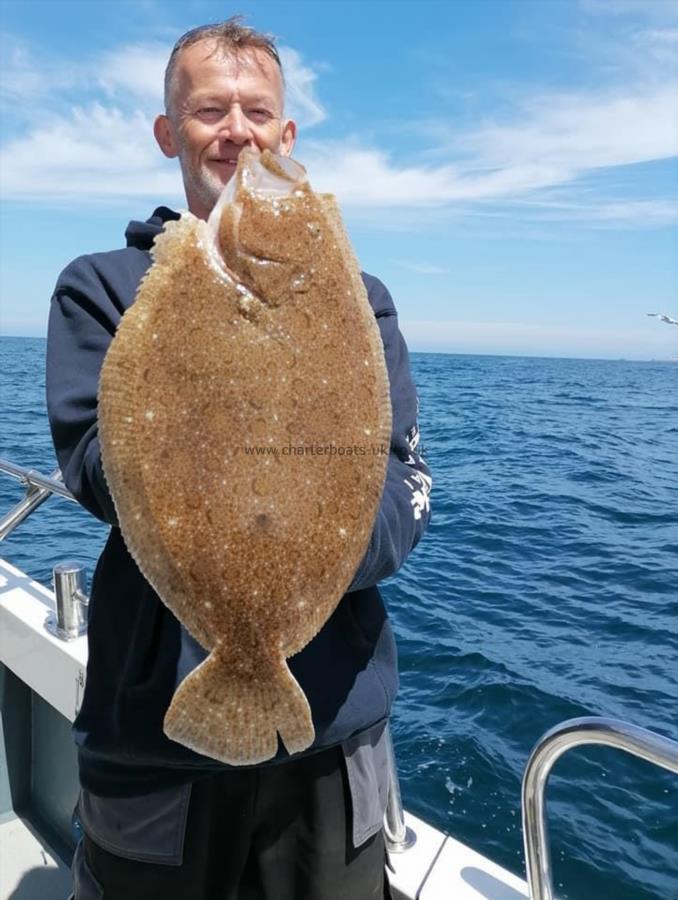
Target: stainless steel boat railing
{"points": [[398, 836], [38, 489], [70, 620], [647, 745]]}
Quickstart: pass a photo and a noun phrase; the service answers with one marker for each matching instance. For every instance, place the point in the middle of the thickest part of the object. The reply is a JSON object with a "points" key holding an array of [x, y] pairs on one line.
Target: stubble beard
{"points": [[200, 183]]}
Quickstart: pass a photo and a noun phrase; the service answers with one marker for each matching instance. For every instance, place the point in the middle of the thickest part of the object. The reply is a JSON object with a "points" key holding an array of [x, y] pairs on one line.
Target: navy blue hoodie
{"points": [[138, 651]]}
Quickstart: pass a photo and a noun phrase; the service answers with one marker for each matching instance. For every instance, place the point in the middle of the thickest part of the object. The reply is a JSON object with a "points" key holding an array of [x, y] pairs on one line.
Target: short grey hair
{"points": [[230, 36]]}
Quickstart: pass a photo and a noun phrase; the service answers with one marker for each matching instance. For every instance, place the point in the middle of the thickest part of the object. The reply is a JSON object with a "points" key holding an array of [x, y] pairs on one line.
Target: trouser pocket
{"points": [[366, 759], [149, 828]]}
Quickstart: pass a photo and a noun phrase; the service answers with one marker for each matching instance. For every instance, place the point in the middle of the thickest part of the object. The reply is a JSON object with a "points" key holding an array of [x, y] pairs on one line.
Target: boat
{"points": [[43, 660]]}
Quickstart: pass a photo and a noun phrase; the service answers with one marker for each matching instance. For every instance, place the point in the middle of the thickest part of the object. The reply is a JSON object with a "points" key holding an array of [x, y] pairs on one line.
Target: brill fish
{"points": [[245, 420]]}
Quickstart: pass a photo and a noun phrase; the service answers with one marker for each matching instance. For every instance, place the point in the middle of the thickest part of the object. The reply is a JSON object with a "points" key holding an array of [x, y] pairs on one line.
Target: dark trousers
{"points": [[275, 833]]}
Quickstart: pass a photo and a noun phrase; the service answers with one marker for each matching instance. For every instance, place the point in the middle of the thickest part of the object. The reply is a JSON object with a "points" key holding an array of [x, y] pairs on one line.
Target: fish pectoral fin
{"points": [[233, 711]]}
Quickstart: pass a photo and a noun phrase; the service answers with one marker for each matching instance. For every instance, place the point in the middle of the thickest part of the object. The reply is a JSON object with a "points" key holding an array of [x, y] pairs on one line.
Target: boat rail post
{"points": [[398, 836], [647, 745], [72, 602]]}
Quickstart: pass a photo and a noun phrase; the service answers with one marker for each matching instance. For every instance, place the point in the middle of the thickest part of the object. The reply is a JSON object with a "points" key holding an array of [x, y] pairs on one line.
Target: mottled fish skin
{"points": [[270, 343]]}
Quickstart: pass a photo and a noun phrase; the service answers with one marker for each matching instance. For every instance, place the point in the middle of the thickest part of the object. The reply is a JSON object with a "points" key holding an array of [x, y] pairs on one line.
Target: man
{"points": [[161, 821]]}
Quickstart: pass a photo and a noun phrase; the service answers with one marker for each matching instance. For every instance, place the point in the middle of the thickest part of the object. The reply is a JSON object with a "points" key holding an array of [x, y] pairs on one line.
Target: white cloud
{"points": [[362, 177], [23, 80], [553, 141], [104, 148], [659, 47], [302, 103], [648, 213], [96, 152], [661, 9], [579, 132], [661, 35], [136, 70], [18, 78]]}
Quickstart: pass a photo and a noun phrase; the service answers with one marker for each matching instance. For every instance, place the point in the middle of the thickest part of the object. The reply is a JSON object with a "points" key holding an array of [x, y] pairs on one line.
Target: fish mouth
{"points": [[266, 175]]}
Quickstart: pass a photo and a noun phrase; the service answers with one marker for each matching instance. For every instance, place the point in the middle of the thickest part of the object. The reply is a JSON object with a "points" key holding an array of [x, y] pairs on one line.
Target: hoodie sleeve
{"points": [[82, 322], [404, 511]]}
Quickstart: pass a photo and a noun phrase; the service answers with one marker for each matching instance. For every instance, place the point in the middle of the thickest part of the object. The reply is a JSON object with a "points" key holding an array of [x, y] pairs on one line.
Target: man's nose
{"points": [[235, 126]]}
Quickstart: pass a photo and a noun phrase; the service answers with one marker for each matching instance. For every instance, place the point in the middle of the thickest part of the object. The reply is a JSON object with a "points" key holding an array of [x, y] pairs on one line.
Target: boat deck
{"points": [[29, 868]]}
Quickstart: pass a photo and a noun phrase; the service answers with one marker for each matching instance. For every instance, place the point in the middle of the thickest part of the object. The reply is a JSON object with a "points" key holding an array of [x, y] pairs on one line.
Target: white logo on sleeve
{"points": [[420, 492]]}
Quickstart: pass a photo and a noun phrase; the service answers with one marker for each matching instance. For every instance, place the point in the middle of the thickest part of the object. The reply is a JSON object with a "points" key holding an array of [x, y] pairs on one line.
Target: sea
{"points": [[545, 588]]}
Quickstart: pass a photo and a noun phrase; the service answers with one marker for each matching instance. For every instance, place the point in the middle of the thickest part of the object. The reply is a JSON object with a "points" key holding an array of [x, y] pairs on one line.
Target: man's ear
{"points": [[163, 135], [289, 136]]}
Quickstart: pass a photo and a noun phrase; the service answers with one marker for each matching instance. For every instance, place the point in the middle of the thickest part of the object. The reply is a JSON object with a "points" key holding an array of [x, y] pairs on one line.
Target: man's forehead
{"points": [[206, 58]]}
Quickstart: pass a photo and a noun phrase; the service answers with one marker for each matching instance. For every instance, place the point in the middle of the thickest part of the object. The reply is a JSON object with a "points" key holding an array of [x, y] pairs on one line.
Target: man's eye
{"points": [[210, 112], [259, 114]]}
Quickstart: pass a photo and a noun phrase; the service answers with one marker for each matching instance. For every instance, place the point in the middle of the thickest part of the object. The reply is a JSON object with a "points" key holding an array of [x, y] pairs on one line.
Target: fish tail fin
{"points": [[234, 711]]}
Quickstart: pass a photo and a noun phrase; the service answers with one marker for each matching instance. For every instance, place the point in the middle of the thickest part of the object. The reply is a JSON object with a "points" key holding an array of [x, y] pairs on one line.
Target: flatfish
{"points": [[245, 421]]}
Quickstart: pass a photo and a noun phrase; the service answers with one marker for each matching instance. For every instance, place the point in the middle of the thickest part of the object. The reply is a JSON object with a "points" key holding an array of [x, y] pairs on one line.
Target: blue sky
{"points": [[507, 167]]}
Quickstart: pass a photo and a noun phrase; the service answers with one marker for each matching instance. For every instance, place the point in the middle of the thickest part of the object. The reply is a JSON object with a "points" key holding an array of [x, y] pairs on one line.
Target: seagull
{"points": [[664, 318]]}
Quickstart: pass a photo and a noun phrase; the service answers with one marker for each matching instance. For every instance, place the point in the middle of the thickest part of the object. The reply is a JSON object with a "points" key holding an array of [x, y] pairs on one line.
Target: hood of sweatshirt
{"points": [[142, 234]]}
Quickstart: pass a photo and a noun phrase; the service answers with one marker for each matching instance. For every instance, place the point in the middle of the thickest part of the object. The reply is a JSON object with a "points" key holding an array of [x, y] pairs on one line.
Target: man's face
{"points": [[218, 105]]}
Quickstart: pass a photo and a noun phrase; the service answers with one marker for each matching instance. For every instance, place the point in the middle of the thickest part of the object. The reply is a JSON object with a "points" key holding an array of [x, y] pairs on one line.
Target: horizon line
{"points": [[653, 359]]}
